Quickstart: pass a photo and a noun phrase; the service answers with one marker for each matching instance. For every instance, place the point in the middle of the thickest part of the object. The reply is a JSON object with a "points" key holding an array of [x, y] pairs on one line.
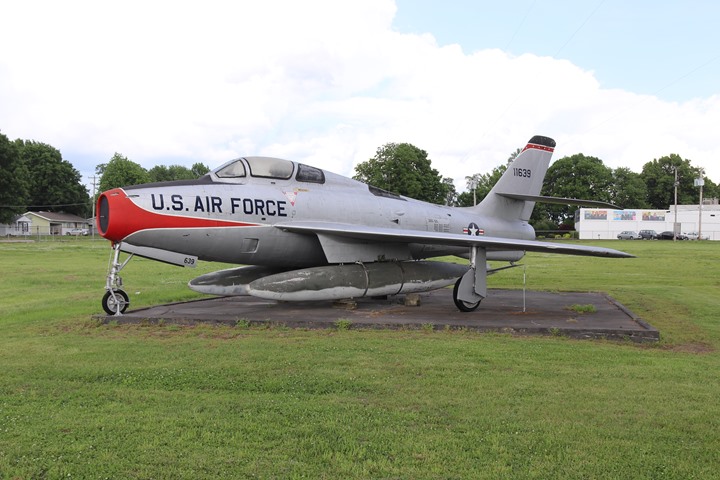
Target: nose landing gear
{"points": [[115, 301]]}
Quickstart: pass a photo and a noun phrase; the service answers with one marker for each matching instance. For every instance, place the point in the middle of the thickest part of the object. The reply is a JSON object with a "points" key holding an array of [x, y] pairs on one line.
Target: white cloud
{"points": [[323, 82]]}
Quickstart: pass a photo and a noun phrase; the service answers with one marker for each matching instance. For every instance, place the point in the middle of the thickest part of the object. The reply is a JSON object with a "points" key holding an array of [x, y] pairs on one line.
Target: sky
{"points": [[328, 82]]}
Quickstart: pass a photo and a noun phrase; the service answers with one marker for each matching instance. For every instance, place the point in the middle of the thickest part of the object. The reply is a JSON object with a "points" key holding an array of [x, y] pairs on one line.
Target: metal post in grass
{"points": [[524, 284], [699, 182]]}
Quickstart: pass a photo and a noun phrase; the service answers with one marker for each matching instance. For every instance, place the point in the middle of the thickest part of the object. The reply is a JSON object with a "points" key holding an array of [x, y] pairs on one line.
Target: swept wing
{"points": [[394, 235]]}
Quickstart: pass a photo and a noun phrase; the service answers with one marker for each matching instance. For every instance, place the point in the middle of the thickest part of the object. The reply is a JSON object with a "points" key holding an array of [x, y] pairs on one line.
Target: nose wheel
{"points": [[115, 301]]}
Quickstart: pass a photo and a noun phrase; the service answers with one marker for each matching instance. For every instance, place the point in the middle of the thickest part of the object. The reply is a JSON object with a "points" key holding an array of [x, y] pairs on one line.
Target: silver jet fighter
{"points": [[307, 234]]}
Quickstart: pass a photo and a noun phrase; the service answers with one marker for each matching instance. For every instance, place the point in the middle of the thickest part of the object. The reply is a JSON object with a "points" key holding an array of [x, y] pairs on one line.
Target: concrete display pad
{"points": [[507, 311]]}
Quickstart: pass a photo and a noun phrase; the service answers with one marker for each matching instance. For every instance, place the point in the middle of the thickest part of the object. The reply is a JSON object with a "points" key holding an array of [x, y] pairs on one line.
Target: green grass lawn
{"points": [[82, 400]]}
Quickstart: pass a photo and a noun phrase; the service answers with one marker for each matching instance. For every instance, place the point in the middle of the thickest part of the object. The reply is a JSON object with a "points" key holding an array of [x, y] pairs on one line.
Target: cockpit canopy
{"points": [[269, 167]]}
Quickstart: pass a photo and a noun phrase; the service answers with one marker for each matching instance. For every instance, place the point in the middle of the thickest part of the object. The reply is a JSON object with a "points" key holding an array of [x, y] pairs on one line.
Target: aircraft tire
{"points": [[111, 305], [461, 305]]}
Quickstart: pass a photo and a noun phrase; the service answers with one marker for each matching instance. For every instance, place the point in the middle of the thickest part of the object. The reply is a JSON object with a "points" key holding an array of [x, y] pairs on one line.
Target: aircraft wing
{"points": [[394, 235]]}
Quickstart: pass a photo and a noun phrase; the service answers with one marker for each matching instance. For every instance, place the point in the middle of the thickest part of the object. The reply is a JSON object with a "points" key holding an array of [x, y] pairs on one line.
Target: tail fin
{"points": [[513, 195]]}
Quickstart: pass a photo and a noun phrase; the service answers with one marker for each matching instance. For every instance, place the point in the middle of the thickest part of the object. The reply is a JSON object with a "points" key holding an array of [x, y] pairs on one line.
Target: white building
{"points": [[602, 223]]}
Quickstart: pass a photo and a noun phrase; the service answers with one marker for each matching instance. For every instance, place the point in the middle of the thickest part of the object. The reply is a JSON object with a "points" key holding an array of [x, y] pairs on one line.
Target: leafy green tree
{"points": [[576, 176], [120, 172], [659, 178], [14, 181], [710, 189], [451, 195], [483, 184], [405, 169], [513, 156], [199, 169], [54, 183], [162, 173], [628, 189]]}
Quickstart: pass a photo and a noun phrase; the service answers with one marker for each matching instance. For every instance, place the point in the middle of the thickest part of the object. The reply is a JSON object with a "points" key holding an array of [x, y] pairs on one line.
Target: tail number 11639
{"points": [[522, 172]]}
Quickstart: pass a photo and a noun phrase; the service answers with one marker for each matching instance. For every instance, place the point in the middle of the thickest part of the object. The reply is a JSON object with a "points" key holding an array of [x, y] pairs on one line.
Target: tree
{"points": [[162, 173], [659, 177], [513, 156], [405, 169], [576, 176], [483, 184], [54, 183], [451, 195], [199, 169], [710, 189], [14, 181], [119, 172], [628, 189]]}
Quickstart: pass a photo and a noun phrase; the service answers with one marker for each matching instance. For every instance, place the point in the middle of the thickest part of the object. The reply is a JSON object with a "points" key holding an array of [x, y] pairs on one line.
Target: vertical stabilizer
{"points": [[523, 177]]}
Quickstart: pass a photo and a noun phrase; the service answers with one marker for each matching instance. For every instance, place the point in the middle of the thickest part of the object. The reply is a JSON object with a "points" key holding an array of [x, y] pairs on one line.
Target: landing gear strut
{"points": [[471, 288], [115, 301]]}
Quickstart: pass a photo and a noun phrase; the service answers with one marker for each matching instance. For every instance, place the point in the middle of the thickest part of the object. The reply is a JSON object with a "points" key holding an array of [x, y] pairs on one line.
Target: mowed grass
{"points": [[82, 400]]}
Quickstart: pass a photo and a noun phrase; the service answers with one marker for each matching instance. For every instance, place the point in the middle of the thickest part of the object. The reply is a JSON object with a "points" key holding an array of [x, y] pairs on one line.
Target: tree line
{"points": [[407, 170], [120, 172], [35, 177]]}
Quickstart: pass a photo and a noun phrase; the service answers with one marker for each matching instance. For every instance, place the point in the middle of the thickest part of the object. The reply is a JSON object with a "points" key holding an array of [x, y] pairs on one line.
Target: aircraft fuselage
{"points": [[234, 222]]}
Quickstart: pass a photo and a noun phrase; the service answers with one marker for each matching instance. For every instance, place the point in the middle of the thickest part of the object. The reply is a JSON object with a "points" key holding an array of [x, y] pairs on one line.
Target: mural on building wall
{"points": [[595, 214], [624, 215], [653, 217]]}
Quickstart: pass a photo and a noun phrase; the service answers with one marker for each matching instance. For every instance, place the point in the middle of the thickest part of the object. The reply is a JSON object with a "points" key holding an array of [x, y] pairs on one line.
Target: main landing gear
{"points": [[462, 305], [471, 288], [115, 301]]}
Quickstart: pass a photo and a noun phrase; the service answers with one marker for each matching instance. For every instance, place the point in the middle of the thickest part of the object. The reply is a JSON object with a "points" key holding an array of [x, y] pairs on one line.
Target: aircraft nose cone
{"points": [[109, 214]]}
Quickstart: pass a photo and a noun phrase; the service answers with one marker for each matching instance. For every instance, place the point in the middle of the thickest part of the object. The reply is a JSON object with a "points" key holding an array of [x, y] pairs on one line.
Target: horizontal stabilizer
{"points": [[558, 200]]}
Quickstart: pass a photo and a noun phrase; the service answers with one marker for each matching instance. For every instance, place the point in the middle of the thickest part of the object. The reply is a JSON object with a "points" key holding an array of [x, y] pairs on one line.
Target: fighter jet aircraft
{"points": [[302, 233]]}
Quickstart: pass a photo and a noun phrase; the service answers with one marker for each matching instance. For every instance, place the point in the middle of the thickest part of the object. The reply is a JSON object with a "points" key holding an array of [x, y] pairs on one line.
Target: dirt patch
{"points": [[698, 348]]}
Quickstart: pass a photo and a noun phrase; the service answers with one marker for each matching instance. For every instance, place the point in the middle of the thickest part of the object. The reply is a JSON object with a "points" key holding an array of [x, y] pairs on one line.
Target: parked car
{"points": [[77, 231], [670, 235], [648, 234], [694, 236], [628, 235]]}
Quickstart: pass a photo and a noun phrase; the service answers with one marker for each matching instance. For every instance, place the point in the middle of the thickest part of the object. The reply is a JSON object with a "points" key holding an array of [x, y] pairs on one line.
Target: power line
{"points": [[46, 206], [579, 28]]}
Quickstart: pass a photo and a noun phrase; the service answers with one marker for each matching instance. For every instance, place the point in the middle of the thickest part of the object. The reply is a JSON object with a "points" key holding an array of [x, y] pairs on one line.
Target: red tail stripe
{"points": [[538, 147]]}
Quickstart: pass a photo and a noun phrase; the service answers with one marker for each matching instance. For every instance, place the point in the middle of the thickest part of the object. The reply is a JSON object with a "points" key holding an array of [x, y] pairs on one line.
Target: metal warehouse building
{"points": [[601, 223]]}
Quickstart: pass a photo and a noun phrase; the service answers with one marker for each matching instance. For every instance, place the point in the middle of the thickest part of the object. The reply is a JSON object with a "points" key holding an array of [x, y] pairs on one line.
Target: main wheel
{"points": [[114, 304], [460, 304]]}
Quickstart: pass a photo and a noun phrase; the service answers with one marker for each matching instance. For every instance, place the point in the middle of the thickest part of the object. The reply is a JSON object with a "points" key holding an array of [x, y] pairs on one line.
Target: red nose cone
{"points": [[119, 216], [114, 214]]}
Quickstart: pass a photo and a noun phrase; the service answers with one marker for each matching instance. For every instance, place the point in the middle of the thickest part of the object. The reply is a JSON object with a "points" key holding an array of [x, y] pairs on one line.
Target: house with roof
{"points": [[44, 223], [18, 227]]}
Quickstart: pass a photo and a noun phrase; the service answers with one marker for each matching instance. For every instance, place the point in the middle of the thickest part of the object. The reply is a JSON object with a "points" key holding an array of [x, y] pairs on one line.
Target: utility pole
{"points": [[473, 185], [675, 222], [92, 227]]}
